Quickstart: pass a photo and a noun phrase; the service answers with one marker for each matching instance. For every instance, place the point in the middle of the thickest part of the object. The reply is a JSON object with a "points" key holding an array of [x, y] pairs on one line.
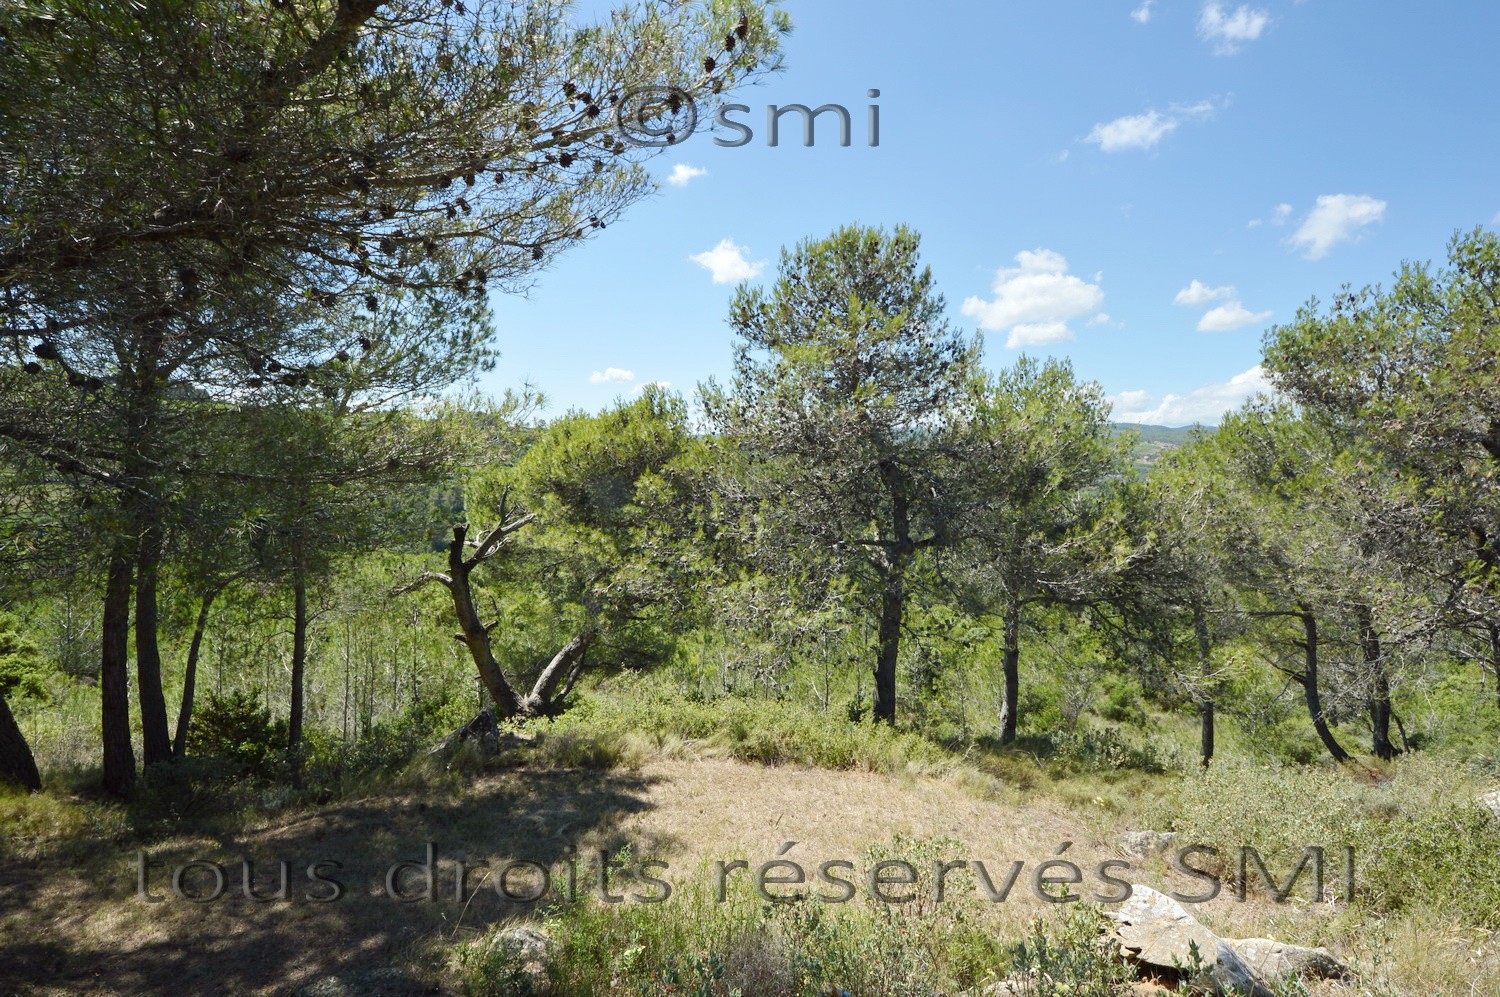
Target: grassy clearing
{"points": [[638, 766]]}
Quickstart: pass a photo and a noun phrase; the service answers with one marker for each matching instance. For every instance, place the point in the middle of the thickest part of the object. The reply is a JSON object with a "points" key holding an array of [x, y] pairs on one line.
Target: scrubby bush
{"points": [[236, 727], [1419, 838]]}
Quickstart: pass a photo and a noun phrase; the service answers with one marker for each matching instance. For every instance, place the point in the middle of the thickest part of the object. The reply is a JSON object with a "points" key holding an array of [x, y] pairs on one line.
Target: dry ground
{"points": [[77, 926]]}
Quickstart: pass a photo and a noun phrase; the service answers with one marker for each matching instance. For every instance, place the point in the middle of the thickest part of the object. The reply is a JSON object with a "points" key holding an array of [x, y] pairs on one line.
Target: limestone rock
{"points": [[1154, 930], [1277, 961], [1144, 844]]}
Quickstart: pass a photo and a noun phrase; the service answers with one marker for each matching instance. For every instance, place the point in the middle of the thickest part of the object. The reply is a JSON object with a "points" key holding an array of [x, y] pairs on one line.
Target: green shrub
{"points": [[1104, 748], [1123, 701], [238, 729], [1076, 957], [23, 673], [1419, 839]]}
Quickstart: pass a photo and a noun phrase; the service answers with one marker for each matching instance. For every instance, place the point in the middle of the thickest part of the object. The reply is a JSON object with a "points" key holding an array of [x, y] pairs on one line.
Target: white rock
{"points": [[1277, 961], [1154, 930]]}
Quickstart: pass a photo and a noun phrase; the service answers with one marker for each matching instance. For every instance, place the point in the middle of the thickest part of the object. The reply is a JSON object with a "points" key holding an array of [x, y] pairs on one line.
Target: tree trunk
{"points": [[475, 635], [1379, 701], [1495, 658], [1012, 665], [564, 664], [1309, 680], [114, 676], [299, 664], [1206, 693], [892, 609], [156, 742], [190, 677], [17, 765]]}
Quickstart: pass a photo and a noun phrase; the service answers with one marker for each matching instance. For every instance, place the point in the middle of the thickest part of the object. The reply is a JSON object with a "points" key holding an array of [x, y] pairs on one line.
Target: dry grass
{"points": [[70, 921]]}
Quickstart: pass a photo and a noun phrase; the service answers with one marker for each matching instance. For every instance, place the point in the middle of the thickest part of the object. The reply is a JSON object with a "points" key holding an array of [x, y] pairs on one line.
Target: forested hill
{"points": [[1155, 441]]}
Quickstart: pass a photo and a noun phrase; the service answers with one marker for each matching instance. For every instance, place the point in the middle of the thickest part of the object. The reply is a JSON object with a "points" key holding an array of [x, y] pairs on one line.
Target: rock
{"points": [[1005, 988], [1277, 961], [1491, 802], [1155, 931], [528, 946], [1144, 844], [369, 983]]}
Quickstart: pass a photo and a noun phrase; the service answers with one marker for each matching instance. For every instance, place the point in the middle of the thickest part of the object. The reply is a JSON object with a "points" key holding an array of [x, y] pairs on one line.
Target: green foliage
{"points": [[1072, 957], [237, 727], [23, 672], [1419, 839], [752, 730]]}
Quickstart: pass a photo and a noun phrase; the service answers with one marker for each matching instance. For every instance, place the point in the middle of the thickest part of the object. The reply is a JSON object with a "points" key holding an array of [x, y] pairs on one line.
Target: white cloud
{"points": [[683, 174], [641, 388], [1228, 30], [1142, 14], [1496, 219], [612, 375], [1198, 293], [1037, 334], [1230, 317], [1336, 218], [1101, 319], [727, 263], [1279, 217], [1205, 405], [1144, 131], [1134, 131], [1035, 300]]}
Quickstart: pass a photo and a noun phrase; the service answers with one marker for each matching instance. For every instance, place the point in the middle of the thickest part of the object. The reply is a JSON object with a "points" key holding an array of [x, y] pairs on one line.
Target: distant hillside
{"points": [[1155, 441]]}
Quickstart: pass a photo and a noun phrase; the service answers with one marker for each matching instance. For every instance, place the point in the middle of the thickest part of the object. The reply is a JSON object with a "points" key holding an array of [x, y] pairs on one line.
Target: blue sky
{"points": [[1141, 187]]}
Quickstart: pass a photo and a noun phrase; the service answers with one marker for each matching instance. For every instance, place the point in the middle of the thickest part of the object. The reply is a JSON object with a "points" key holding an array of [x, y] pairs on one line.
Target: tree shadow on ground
{"points": [[74, 928]]}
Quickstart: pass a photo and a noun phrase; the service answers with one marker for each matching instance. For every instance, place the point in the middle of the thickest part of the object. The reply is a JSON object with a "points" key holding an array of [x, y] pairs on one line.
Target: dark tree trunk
{"points": [[1495, 658], [156, 742], [190, 675], [1379, 701], [474, 634], [114, 675], [299, 664], [1206, 694], [144, 463], [892, 609], [17, 765], [1012, 665], [1309, 680]]}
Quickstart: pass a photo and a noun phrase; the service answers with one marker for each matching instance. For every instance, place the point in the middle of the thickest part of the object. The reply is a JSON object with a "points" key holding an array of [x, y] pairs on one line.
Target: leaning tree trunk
{"points": [[114, 676], [1379, 701], [1206, 693], [156, 742], [1012, 665], [17, 765], [473, 632], [299, 666], [1309, 680], [892, 610], [190, 674], [544, 699]]}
